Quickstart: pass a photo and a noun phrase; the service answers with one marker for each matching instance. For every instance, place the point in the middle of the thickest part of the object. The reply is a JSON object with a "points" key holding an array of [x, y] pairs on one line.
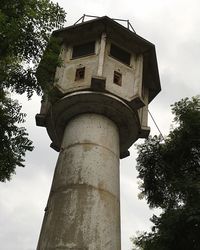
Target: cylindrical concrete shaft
{"points": [[83, 211]]}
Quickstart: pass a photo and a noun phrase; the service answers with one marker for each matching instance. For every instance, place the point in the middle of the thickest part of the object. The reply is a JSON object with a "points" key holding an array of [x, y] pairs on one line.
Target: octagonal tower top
{"points": [[125, 38], [106, 69]]}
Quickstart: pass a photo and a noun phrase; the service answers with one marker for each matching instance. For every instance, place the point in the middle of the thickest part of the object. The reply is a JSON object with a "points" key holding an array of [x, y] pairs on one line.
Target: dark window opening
{"points": [[120, 54], [117, 78], [80, 74], [83, 49]]}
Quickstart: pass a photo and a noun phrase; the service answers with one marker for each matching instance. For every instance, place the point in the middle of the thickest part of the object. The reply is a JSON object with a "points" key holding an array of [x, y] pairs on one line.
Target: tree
{"points": [[170, 175], [14, 140], [25, 28]]}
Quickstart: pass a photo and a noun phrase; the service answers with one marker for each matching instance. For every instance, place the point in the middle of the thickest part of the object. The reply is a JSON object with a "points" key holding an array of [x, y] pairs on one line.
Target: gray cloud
{"points": [[173, 27]]}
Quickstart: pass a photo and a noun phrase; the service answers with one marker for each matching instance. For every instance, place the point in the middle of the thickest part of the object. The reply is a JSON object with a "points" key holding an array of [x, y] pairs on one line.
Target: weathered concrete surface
{"points": [[125, 118], [83, 211]]}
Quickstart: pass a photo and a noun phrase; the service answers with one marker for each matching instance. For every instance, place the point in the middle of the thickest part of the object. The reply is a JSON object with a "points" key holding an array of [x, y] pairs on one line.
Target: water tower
{"points": [[108, 76]]}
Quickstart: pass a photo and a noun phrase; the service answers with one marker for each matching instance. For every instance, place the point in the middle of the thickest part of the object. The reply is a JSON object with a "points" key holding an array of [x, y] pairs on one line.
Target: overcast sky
{"points": [[174, 27]]}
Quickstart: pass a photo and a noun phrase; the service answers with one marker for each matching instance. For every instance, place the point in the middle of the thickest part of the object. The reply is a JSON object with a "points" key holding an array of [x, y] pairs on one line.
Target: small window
{"points": [[83, 49], [117, 78], [120, 54], [80, 74]]}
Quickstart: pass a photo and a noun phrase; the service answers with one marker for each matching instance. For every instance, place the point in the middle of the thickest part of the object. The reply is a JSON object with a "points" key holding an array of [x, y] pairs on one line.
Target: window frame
{"points": [[117, 75], [127, 61], [91, 51], [78, 73]]}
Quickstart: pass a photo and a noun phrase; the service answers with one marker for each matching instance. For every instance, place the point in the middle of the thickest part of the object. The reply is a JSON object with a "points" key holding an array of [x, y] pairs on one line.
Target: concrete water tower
{"points": [[108, 77]]}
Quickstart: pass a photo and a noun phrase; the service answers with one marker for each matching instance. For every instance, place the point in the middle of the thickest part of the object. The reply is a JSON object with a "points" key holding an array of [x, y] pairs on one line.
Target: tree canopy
{"points": [[25, 28], [14, 140], [170, 179]]}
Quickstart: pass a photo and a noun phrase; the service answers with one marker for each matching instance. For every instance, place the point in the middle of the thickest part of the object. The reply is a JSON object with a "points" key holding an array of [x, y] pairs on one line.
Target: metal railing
{"points": [[128, 24]]}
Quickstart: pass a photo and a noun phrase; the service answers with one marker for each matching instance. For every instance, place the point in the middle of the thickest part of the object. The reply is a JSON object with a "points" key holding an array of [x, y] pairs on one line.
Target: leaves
{"points": [[169, 169], [14, 140], [25, 28], [47, 68], [175, 229], [169, 174]]}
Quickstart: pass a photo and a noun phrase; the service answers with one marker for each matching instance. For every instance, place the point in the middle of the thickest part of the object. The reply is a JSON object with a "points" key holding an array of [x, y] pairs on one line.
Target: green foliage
{"points": [[47, 68], [170, 169], [25, 28], [174, 229], [170, 175], [14, 140]]}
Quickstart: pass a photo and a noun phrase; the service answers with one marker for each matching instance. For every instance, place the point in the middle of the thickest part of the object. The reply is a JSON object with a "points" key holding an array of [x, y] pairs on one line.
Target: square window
{"points": [[120, 54], [117, 78], [80, 74], [83, 50]]}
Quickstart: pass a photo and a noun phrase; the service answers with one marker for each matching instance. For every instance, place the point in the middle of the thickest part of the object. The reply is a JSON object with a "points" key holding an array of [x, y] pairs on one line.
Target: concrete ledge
{"points": [[52, 145], [124, 154], [98, 83], [144, 132], [40, 120], [126, 119], [136, 103]]}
